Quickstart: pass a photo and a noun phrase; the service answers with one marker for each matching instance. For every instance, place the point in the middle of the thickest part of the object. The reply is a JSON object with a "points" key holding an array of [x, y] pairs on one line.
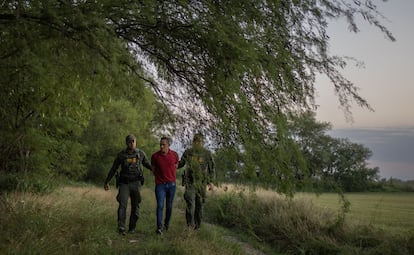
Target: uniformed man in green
{"points": [[199, 174], [129, 182]]}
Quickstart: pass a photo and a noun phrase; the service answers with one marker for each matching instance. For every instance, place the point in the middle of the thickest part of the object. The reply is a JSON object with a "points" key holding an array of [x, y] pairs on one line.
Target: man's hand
{"points": [[106, 187]]}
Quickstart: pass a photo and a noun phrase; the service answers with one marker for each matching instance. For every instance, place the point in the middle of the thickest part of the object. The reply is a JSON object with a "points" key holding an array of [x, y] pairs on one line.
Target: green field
{"points": [[386, 210]]}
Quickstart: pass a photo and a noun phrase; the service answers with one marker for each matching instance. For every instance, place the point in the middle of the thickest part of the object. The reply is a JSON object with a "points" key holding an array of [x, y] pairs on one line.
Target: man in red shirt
{"points": [[164, 165]]}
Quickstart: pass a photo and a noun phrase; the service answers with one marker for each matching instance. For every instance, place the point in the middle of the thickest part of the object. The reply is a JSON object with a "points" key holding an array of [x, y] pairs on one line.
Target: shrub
{"points": [[299, 227]]}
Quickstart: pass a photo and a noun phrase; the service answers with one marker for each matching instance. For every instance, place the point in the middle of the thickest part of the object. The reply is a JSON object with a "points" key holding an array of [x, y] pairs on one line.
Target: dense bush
{"points": [[10, 182]]}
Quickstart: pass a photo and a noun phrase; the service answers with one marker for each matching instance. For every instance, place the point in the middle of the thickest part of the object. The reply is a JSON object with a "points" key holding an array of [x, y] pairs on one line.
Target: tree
{"points": [[234, 69], [105, 135], [228, 164], [246, 61], [58, 67], [312, 139], [334, 162], [243, 65], [349, 167]]}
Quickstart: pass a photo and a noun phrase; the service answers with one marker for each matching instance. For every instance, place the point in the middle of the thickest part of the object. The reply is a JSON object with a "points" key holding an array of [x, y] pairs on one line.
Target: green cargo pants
{"points": [[125, 191], [194, 196]]}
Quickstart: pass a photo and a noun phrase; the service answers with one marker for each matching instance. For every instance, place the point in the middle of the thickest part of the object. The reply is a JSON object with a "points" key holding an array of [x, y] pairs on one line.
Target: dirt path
{"points": [[248, 249]]}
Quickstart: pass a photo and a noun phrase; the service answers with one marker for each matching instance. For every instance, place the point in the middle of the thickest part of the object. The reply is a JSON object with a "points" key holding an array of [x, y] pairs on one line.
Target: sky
{"points": [[386, 81]]}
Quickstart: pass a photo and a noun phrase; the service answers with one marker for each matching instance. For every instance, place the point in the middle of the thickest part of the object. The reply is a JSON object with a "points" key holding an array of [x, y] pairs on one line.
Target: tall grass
{"points": [[82, 220], [66, 221], [301, 227]]}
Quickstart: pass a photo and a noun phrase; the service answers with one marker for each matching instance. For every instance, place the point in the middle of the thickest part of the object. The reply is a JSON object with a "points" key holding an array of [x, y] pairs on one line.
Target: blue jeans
{"points": [[165, 191]]}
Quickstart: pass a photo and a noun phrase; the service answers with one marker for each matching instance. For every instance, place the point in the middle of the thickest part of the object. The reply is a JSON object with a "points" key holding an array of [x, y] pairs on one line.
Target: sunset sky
{"points": [[386, 81]]}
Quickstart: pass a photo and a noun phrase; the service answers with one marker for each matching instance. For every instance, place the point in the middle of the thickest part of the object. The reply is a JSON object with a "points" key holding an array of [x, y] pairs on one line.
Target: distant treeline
{"points": [[393, 184], [383, 185]]}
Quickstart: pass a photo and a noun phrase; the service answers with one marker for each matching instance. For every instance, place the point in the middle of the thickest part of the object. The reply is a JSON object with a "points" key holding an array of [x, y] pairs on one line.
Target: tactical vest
{"points": [[197, 166], [131, 167]]}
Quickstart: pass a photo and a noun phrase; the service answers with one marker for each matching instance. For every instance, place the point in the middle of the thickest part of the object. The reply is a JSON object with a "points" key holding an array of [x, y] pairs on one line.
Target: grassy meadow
{"points": [[391, 211], [81, 219]]}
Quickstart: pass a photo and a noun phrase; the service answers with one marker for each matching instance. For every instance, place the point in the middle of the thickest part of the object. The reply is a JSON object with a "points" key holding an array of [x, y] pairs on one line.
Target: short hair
{"points": [[130, 137], [166, 138]]}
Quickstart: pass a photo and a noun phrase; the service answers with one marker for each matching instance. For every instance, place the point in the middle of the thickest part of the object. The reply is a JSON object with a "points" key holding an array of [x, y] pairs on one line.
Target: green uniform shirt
{"points": [[130, 163], [200, 167]]}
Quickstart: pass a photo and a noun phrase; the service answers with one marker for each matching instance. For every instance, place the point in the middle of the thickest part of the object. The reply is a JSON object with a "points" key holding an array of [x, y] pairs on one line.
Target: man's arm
{"points": [[183, 159], [177, 160], [154, 162], [145, 161], [112, 172]]}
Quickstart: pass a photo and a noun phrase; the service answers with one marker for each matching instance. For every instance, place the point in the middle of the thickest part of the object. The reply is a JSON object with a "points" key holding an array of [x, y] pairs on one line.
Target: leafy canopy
{"points": [[233, 69]]}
